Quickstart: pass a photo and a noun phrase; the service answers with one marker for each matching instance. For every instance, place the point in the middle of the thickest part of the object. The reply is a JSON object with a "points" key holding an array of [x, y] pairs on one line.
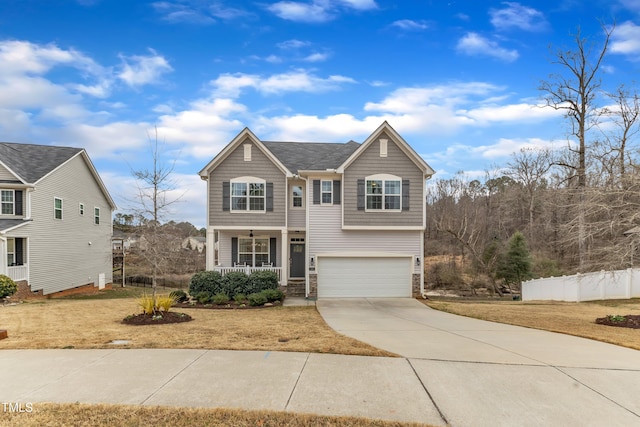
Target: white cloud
{"points": [[196, 12], [317, 11], [513, 112], [515, 15], [410, 25], [138, 70], [293, 44], [231, 85], [505, 147], [475, 45], [317, 57], [626, 39]]}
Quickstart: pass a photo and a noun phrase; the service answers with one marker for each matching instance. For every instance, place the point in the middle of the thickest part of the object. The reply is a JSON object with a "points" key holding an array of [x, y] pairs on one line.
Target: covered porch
{"points": [[248, 270], [13, 258]]}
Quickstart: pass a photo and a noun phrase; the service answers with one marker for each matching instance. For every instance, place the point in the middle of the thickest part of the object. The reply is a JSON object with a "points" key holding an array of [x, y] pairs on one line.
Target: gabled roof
{"points": [[10, 224], [293, 157], [298, 156], [31, 162]]}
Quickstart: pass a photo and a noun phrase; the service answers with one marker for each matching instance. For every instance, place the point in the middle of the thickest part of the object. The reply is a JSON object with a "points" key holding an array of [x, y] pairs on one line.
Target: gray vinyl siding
{"points": [[59, 254], [234, 166], [5, 175], [325, 235], [396, 163], [297, 217], [224, 245]]}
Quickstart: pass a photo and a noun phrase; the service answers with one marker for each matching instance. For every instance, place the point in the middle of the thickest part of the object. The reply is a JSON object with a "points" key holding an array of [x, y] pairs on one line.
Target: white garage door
{"points": [[364, 277]]}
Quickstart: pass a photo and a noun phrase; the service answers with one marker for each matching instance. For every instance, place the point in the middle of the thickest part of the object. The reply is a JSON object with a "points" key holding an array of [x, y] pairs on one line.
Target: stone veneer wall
{"points": [[415, 286], [313, 285]]}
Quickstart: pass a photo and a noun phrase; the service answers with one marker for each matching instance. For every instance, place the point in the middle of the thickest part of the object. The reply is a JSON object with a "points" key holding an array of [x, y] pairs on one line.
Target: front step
{"points": [[295, 288]]}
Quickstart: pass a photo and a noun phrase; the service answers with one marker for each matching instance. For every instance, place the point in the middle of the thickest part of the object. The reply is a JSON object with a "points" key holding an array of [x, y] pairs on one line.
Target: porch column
{"points": [[3, 256], [285, 258], [211, 249]]}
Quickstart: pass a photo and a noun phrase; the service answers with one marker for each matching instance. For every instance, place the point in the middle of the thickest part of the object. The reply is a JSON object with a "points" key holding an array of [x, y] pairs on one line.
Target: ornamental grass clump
{"points": [[152, 306]]}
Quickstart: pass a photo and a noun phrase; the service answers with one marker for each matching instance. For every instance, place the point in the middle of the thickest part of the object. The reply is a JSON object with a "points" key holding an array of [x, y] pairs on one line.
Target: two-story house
{"points": [[55, 219], [347, 219]]}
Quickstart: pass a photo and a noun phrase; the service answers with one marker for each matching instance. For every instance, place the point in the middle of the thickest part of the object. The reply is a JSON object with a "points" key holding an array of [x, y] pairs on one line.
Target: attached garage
{"points": [[358, 277]]}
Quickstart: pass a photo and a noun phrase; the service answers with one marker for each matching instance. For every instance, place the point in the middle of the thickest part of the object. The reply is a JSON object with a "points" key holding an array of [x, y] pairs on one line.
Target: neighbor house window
{"points": [[57, 208], [96, 216], [7, 199], [383, 193], [247, 196], [326, 192], [296, 196], [82, 209], [253, 251]]}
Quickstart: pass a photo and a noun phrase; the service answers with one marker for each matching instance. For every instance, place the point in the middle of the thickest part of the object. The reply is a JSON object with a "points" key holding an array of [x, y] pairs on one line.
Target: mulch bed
{"points": [[159, 319], [629, 321]]}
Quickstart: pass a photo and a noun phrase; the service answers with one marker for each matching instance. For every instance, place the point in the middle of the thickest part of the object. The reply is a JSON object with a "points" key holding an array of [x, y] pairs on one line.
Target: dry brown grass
{"points": [[73, 323], [54, 415], [568, 318]]}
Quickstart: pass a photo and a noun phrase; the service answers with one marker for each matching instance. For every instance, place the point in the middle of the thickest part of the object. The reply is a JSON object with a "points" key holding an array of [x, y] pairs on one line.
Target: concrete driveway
{"points": [[481, 373]]}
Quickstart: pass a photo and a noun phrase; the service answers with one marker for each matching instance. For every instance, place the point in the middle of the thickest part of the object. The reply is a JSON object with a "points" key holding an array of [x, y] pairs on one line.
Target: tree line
{"points": [[576, 208]]}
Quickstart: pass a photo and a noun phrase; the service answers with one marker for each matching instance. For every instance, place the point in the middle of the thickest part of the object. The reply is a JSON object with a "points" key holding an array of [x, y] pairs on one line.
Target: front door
{"points": [[296, 251]]}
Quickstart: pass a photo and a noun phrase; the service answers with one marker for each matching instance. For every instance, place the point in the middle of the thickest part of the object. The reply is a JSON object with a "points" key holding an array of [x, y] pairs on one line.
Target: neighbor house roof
{"points": [[298, 156], [32, 162]]}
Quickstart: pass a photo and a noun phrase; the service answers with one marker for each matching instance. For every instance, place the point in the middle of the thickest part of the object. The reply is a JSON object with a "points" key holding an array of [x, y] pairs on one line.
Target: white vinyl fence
{"points": [[619, 284]]}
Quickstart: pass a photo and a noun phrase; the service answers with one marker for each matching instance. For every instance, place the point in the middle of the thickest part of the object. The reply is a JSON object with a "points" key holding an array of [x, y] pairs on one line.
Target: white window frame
{"points": [[248, 181], [253, 252], [11, 252], [383, 178], [96, 215], [294, 197], [12, 202], [81, 209], [323, 192], [56, 209]]}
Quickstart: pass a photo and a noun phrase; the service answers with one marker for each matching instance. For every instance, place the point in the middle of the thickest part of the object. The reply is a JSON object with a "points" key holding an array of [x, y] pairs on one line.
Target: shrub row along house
{"points": [[343, 220], [55, 219]]}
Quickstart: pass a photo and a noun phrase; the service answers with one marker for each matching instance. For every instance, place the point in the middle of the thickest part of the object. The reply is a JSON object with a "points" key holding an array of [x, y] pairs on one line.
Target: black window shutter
{"points": [[18, 202], [316, 191], [226, 196], [234, 251], [272, 250], [269, 198], [336, 192], [361, 194], [19, 251], [405, 194]]}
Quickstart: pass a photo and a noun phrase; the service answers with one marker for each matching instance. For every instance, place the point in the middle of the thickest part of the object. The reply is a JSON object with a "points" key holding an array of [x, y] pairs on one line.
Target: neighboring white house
{"points": [[345, 219], [195, 243], [55, 218]]}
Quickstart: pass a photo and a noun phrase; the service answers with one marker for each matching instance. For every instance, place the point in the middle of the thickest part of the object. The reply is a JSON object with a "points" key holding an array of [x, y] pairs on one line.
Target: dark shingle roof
{"points": [[10, 223], [298, 156], [32, 162]]}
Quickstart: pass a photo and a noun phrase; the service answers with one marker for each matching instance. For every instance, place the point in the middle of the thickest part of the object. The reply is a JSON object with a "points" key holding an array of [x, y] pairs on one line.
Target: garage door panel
{"points": [[364, 277]]}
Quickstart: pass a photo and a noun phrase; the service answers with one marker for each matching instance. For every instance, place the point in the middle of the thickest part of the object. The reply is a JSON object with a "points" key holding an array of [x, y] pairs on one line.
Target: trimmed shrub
{"points": [[273, 295], [206, 281], [203, 297], [220, 299], [261, 280], [240, 298], [7, 286], [234, 283], [178, 295], [256, 299]]}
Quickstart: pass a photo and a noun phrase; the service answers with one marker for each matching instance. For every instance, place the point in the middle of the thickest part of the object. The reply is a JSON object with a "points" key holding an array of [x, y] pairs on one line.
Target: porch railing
{"points": [[18, 272], [248, 270]]}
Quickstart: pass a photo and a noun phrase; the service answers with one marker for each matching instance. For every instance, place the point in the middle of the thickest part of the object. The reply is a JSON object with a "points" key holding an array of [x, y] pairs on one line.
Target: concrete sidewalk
{"points": [[374, 387], [489, 374]]}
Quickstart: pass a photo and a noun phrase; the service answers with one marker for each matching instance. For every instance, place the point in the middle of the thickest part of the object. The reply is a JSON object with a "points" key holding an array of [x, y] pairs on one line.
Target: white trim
{"points": [[81, 209], [383, 178], [96, 209], [56, 209], [301, 185], [12, 172], [363, 254], [26, 221], [383, 147], [247, 152], [13, 201], [247, 228], [248, 180]]}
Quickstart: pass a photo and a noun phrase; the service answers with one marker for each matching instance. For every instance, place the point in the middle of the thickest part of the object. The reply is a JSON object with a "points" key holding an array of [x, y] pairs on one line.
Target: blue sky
{"points": [[457, 79]]}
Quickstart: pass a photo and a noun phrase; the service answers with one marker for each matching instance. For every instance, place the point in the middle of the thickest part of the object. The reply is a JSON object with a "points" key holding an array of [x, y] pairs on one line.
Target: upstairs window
{"points": [[82, 209], [7, 198], [326, 192], [57, 208], [383, 193], [248, 196], [96, 216], [296, 196]]}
